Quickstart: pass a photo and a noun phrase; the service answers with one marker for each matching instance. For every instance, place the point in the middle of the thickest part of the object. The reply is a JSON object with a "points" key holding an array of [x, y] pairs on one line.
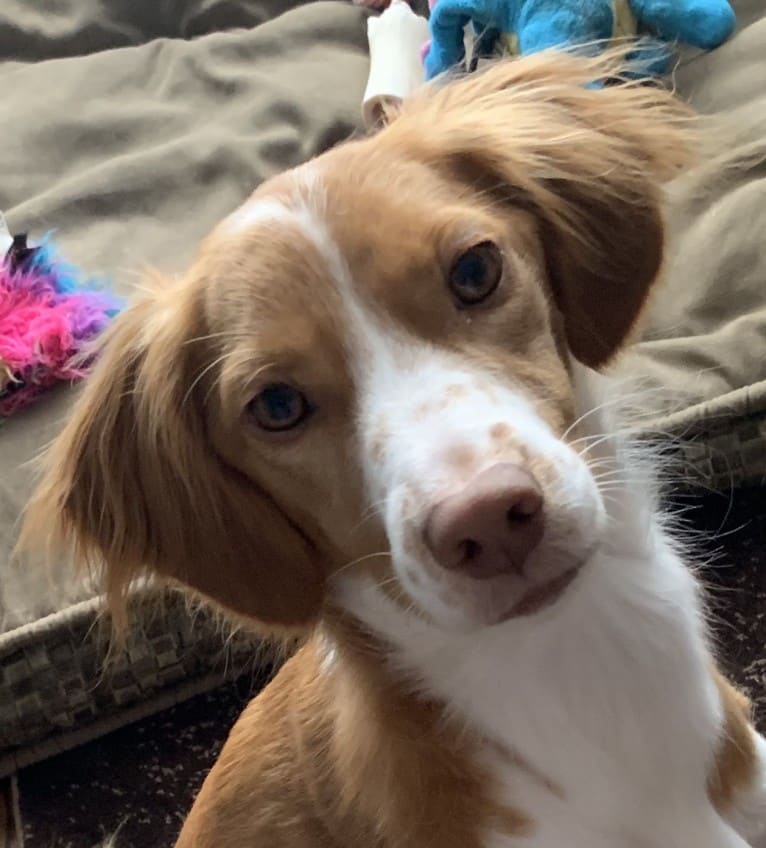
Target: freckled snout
{"points": [[489, 527]]}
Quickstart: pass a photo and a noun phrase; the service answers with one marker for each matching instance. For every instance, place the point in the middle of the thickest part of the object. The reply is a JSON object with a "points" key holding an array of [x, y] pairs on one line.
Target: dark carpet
{"points": [[142, 779]]}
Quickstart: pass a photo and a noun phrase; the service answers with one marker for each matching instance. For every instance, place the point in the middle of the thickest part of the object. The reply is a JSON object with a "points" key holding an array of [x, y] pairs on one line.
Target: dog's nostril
{"points": [[471, 549], [526, 504], [522, 511]]}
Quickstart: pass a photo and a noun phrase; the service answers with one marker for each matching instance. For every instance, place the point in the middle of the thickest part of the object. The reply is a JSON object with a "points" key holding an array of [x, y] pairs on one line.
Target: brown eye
{"points": [[476, 273], [279, 406]]}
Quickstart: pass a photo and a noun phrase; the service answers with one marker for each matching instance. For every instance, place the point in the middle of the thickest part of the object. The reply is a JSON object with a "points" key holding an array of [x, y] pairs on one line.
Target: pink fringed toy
{"points": [[47, 315]]}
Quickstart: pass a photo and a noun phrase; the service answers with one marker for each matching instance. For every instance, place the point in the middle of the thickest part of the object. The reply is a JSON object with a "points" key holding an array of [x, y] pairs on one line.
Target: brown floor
{"points": [[143, 778]]}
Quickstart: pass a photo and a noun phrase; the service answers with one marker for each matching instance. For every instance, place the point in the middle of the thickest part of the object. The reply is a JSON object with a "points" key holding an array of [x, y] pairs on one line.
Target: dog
{"points": [[372, 413]]}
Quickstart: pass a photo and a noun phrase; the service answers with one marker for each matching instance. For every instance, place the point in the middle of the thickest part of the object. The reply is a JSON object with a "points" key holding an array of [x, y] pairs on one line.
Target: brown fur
{"points": [[355, 759], [158, 472], [734, 768]]}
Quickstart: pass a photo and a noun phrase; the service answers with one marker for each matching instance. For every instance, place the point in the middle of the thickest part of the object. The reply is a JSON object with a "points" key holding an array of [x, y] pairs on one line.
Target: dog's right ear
{"points": [[134, 485]]}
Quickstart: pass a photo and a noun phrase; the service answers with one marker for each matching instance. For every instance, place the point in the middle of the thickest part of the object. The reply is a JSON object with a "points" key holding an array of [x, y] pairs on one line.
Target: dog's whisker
{"points": [[346, 566], [209, 367], [370, 512], [224, 334], [601, 407]]}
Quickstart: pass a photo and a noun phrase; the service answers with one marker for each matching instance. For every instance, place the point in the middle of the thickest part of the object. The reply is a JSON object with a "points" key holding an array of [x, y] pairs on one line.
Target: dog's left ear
{"points": [[135, 485], [589, 162]]}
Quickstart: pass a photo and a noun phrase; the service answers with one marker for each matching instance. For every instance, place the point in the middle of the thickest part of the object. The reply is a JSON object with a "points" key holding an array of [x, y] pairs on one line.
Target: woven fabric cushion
{"points": [[62, 683]]}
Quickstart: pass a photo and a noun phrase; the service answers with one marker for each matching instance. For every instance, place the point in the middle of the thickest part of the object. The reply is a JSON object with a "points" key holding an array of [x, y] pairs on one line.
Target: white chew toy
{"points": [[396, 39]]}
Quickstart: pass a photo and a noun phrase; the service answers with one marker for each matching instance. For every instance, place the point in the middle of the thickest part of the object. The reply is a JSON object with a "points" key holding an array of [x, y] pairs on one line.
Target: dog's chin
{"points": [[542, 596], [480, 604]]}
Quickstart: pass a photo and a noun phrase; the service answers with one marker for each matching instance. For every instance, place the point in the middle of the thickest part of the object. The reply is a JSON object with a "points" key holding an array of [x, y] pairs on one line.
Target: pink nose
{"points": [[491, 526]]}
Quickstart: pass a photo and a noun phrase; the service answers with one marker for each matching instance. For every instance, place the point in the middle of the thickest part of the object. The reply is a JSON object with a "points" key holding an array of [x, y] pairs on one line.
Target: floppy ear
{"points": [[588, 162], [134, 484]]}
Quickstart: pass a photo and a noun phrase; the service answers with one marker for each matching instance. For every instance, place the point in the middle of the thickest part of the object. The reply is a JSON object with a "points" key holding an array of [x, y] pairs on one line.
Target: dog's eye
{"points": [[279, 407], [476, 273]]}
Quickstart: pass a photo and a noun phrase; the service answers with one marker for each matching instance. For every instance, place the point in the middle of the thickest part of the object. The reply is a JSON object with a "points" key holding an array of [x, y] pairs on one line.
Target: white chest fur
{"points": [[605, 700], [620, 714]]}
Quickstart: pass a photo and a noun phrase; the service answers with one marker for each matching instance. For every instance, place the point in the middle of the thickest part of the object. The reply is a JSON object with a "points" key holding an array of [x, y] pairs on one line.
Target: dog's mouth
{"points": [[542, 596]]}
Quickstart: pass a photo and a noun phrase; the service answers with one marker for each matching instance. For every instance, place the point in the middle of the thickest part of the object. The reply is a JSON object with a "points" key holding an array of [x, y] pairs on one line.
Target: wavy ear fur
{"points": [[133, 482], [589, 162]]}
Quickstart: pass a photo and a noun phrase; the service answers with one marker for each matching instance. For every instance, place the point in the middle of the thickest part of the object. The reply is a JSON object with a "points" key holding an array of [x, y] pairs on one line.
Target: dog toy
{"points": [[48, 312], [527, 26], [396, 39]]}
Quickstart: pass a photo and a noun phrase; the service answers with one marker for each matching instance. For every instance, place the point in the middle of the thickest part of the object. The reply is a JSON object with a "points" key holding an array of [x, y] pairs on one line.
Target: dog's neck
{"points": [[614, 672]]}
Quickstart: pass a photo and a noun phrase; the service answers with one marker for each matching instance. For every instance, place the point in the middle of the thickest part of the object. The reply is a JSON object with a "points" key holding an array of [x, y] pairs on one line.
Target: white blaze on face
{"points": [[303, 207], [253, 213]]}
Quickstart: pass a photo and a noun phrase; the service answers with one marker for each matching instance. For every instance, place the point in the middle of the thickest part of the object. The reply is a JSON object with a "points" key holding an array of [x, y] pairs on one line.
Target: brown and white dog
{"points": [[370, 412]]}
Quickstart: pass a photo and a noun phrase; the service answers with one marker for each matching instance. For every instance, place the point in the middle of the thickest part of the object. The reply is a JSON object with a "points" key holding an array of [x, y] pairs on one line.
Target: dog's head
{"points": [[374, 354]]}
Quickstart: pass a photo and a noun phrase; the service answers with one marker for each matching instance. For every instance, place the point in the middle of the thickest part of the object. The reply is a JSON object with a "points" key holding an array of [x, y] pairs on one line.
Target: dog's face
{"points": [[402, 384], [368, 369]]}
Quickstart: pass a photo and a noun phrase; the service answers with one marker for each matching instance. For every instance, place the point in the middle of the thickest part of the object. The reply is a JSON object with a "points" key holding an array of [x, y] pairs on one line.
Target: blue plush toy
{"points": [[526, 26]]}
